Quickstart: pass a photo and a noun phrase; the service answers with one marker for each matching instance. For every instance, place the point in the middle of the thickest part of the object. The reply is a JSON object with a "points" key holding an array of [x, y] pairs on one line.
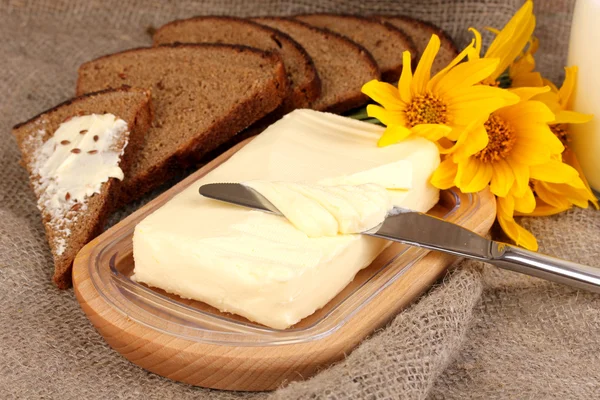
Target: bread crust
{"points": [[123, 88]]}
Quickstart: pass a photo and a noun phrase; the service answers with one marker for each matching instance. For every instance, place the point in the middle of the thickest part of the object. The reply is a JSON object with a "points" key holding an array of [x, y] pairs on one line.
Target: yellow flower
{"points": [[560, 101], [506, 207], [521, 72], [557, 186], [508, 43], [560, 195], [433, 106], [501, 151], [555, 197]]}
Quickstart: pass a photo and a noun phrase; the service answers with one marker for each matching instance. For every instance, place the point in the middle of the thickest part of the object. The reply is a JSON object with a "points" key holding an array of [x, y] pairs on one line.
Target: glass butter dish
{"points": [[126, 312]]}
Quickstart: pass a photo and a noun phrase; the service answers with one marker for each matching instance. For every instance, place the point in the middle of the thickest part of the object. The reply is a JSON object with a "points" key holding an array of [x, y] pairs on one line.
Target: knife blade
{"points": [[418, 229]]}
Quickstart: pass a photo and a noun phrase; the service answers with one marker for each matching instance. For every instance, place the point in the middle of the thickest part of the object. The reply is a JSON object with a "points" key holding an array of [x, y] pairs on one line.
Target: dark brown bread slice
{"points": [[203, 94], [420, 32], [342, 65], [86, 220], [384, 41], [302, 75]]}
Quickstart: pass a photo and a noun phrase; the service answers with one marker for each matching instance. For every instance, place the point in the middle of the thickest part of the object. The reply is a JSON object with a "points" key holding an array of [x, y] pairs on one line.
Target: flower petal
{"points": [[554, 171], [544, 210], [528, 154], [581, 197], [405, 78], [566, 194], [547, 195], [477, 102], [481, 179], [423, 70], [526, 93], [550, 99], [526, 203], [521, 174], [471, 140], [539, 136], [521, 236], [505, 206], [511, 40], [435, 79], [433, 132], [477, 45], [571, 117], [523, 65], [538, 133], [551, 84], [443, 176], [386, 117], [502, 178], [473, 176], [467, 74], [527, 111], [385, 94], [570, 158], [532, 152], [568, 87], [521, 71], [526, 79], [393, 134]]}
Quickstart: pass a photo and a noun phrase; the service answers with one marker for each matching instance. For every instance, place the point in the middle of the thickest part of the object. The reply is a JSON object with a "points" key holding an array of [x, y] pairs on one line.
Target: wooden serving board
{"points": [[255, 368]]}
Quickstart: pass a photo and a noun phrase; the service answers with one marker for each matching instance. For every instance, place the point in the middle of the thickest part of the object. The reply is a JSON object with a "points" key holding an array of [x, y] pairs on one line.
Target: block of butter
{"points": [[259, 265]]}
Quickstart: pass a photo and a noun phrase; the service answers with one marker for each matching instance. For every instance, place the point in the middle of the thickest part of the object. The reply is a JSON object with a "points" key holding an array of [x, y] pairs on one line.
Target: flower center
{"points": [[426, 109], [560, 133], [502, 139]]}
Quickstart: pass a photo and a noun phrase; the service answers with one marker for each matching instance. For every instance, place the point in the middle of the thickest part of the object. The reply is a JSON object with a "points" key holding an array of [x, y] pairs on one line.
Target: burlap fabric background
{"points": [[481, 333]]}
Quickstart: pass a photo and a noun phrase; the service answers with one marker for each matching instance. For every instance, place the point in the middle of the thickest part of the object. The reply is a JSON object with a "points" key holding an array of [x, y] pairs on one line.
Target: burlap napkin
{"points": [[481, 333]]}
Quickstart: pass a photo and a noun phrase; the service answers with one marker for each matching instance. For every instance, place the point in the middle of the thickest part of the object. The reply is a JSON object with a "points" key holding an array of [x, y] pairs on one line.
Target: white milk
{"points": [[585, 53]]}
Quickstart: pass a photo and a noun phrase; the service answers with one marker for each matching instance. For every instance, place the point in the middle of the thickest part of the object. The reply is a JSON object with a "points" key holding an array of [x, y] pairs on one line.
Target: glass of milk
{"points": [[583, 52]]}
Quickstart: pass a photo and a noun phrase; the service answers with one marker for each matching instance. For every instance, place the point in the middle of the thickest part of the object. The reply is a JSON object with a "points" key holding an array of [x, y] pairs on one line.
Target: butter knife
{"points": [[422, 230]]}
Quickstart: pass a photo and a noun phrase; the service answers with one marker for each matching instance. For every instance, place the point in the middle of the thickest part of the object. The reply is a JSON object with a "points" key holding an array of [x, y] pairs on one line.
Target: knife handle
{"points": [[545, 267]]}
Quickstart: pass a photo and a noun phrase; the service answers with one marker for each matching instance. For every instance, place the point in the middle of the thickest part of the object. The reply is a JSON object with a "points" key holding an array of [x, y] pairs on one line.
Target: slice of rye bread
{"points": [[203, 94], [84, 220], [302, 76], [384, 41], [420, 32], [342, 65]]}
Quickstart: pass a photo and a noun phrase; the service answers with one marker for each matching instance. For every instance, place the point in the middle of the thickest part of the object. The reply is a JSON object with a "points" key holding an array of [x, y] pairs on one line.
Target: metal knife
{"points": [[422, 230]]}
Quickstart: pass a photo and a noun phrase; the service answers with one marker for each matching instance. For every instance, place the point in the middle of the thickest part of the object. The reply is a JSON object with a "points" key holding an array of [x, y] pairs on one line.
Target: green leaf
{"points": [[361, 115], [357, 113], [373, 121]]}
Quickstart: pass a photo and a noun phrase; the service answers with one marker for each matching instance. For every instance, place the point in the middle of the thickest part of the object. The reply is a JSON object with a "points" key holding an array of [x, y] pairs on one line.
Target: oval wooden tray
{"points": [[252, 368]]}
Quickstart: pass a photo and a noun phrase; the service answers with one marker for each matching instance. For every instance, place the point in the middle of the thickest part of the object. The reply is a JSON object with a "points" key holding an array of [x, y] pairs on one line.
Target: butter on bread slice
{"points": [[304, 82], [420, 32], [343, 66], [202, 94], [73, 172], [384, 41]]}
